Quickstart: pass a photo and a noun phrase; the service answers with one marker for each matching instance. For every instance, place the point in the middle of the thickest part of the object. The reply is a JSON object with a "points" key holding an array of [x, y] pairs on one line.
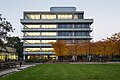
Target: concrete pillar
{"points": [[56, 57], [24, 57], [73, 58]]}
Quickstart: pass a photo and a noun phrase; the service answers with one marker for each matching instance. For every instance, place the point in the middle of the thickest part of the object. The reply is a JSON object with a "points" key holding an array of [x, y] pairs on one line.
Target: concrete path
{"points": [[12, 70], [95, 63]]}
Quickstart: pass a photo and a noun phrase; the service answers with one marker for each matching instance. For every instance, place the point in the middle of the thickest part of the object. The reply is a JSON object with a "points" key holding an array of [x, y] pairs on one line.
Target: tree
{"points": [[74, 49], [5, 27], [115, 40], [60, 47], [16, 43]]}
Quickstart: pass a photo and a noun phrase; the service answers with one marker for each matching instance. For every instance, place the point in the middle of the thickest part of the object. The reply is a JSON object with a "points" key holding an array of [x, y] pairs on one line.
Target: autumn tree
{"points": [[74, 49], [60, 48], [115, 40]]}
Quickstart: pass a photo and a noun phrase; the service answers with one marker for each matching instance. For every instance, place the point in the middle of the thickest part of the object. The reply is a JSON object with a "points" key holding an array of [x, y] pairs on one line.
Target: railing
{"points": [[38, 44], [55, 29], [38, 53], [56, 37]]}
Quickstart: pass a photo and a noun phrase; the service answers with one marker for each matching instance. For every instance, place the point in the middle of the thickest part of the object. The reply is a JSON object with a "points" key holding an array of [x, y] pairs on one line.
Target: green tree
{"points": [[5, 28], [16, 43]]}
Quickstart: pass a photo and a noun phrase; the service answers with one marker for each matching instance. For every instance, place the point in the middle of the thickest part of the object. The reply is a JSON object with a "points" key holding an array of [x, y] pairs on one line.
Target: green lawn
{"points": [[68, 72]]}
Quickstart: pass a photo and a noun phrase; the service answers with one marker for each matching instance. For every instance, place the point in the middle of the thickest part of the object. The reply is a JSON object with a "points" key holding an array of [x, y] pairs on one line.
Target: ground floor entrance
{"points": [[38, 57]]}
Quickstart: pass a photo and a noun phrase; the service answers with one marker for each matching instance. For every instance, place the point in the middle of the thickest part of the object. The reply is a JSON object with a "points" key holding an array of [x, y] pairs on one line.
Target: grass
{"points": [[68, 72]]}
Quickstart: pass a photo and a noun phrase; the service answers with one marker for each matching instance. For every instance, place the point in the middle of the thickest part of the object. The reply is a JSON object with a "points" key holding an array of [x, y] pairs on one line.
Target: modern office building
{"points": [[60, 23]]}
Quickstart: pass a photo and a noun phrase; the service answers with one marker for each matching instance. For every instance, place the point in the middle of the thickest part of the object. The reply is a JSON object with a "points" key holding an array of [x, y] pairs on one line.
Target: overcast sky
{"points": [[106, 13]]}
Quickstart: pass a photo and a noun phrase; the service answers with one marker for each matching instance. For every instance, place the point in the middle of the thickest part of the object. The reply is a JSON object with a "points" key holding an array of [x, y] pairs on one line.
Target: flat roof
{"points": [[36, 12]]}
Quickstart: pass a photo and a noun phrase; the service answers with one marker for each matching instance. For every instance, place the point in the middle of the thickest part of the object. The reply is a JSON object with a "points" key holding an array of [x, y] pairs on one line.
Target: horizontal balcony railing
{"points": [[36, 45], [56, 29], [30, 21], [55, 37], [44, 53]]}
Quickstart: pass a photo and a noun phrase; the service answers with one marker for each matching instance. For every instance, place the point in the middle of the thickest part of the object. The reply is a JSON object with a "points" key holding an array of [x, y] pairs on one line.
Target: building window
{"points": [[47, 41], [32, 41], [48, 33], [48, 16], [32, 49], [32, 26], [48, 26], [65, 33], [32, 16], [81, 33], [78, 16], [65, 25], [32, 34], [81, 25], [47, 49], [64, 16]]}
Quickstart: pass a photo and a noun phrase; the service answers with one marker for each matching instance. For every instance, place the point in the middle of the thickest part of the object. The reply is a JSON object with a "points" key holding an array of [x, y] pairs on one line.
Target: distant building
{"points": [[60, 23], [8, 54]]}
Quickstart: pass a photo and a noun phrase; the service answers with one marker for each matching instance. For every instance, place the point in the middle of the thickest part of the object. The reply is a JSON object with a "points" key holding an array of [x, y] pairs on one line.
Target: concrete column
{"points": [[24, 57], [73, 58], [56, 57]]}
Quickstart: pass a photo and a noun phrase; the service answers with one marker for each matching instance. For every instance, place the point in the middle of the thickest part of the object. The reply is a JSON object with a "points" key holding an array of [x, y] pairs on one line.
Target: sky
{"points": [[106, 13]]}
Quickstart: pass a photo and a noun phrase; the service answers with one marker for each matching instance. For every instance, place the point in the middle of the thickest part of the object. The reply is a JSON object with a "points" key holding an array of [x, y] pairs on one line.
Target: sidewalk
{"points": [[95, 63], [15, 69]]}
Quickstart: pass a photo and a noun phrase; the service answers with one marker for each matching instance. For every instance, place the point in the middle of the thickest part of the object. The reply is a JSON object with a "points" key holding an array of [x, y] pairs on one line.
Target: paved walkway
{"points": [[15, 69], [95, 63]]}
